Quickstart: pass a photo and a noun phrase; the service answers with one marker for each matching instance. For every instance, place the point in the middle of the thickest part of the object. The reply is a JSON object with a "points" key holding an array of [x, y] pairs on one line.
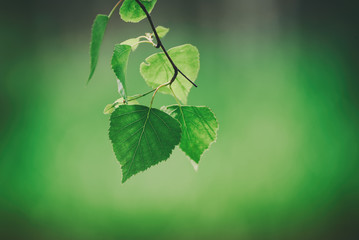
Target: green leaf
{"points": [[133, 42], [162, 31], [132, 12], [158, 70], [110, 108], [119, 62], [142, 137], [199, 128], [98, 31]]}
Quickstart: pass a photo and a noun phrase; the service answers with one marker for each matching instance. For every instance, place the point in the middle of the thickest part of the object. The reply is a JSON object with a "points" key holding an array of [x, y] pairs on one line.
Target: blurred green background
{"points": [[281, 76]]}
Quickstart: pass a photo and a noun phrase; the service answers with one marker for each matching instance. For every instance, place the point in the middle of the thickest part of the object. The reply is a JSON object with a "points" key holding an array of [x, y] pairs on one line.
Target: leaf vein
{"points": [[139, 141], [127, 114], [204, 125]]}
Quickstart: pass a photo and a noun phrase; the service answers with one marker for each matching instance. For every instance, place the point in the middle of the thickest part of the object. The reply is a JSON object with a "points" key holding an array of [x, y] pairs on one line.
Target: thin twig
{"points": [[160, 45], [109, 16]]}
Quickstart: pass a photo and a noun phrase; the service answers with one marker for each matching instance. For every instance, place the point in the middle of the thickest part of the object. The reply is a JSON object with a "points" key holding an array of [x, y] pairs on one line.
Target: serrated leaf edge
{"points": [[169, 155], [164, 108], [112, 67]]}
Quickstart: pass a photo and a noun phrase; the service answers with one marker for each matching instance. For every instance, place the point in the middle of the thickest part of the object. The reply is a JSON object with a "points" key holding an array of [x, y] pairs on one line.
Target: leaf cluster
{"points": [[143, 136]]}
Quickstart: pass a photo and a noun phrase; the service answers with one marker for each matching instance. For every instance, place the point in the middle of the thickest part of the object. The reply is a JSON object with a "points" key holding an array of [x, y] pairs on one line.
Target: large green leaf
{"points": [[142, 137], [119, 62], [132, 12], [158, 70], [98, 31], [199, 128]]}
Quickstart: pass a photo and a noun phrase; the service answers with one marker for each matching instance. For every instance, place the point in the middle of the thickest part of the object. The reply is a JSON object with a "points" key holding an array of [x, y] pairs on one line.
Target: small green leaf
{"points": [[142, 137], [110, 108], [199, 128], [119, 62], [133, 42], [132, 12], [158, 70], [98, 31], [162, 31]]}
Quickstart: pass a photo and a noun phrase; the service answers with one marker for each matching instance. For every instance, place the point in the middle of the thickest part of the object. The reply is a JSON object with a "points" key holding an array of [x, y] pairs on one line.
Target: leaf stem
{"points": [[160, 45], [141, 95], [114, 8], [156, 90]]}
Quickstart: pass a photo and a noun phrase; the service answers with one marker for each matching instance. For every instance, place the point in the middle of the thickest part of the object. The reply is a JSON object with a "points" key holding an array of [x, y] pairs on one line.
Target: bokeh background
{"points": [[281, 76]]}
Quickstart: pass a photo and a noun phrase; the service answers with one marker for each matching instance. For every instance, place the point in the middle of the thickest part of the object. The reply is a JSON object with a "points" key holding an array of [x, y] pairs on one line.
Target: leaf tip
{"points": [[195, 165], [89, 79], [124, 179]]}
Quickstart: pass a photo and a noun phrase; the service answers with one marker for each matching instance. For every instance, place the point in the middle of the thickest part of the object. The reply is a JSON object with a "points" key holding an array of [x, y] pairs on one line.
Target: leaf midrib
{"points": [[138, 144]]}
